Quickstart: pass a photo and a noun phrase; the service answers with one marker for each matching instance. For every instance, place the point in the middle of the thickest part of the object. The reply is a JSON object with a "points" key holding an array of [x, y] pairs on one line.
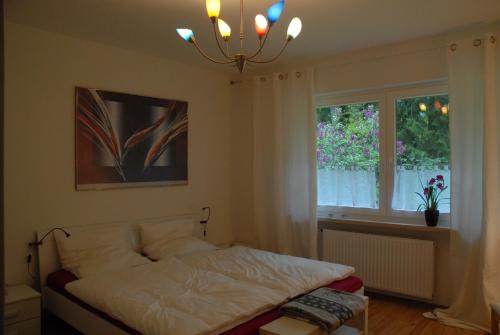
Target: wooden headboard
{"points": [[48, 258]]}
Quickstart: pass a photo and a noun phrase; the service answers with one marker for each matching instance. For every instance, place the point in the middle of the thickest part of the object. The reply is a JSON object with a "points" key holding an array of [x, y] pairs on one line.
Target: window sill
{"points": [[325, 223]]}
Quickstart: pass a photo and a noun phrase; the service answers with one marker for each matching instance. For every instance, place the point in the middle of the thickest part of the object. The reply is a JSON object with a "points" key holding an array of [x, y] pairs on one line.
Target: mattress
{"points": [[58, 281]]}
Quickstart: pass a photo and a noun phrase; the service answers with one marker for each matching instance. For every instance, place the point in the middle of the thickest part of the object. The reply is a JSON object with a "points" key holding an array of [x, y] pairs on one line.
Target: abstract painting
{"points": [[125, 140]]}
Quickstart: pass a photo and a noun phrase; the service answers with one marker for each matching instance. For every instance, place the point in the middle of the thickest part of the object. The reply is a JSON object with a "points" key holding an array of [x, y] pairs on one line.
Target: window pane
{"points": [[422, 149], [348, 155]]}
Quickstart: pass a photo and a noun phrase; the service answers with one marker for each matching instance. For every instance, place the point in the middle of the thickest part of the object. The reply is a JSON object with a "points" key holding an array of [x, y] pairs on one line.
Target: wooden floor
{"points": [[387, 316]]}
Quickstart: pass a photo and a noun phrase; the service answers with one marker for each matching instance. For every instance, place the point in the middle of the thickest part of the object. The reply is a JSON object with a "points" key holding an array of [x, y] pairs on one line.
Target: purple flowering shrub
{"points": [[349, 137]]}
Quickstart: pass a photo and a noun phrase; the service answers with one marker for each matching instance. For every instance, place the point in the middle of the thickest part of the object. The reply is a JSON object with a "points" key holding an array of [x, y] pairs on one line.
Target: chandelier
{"points": [[263, 26]]}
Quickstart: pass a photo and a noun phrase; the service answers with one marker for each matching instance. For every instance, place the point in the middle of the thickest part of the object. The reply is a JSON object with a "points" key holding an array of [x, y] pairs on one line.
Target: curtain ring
{"points": [[492, 39], [298, 74], [477, 42], [453, 47]]}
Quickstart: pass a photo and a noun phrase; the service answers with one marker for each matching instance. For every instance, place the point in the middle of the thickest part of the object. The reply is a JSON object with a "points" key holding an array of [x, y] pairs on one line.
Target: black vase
{"points": [[431, 218]]}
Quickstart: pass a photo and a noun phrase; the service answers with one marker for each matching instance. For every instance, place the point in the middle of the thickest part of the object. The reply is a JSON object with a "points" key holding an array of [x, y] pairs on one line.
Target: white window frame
{"points": [[386, 97]]}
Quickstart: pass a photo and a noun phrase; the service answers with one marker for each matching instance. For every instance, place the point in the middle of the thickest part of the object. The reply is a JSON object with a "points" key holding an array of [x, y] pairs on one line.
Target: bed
{"points": [[235, 290]]}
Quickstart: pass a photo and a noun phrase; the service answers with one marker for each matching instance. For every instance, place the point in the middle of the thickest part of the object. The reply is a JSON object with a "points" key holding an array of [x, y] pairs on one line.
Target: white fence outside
{"points": [[358, 188]]}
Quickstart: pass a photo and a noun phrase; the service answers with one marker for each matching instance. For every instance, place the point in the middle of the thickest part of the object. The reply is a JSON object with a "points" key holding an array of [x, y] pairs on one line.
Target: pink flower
{"points": [[440, 177], [400, 148], [432, 181], [440, 186], [366, 152], [426, 191]]}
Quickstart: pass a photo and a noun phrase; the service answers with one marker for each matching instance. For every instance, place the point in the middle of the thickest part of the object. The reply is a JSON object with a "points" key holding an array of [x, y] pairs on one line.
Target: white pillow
{"points": [[162, 249], [97, 250], [165, 231]]}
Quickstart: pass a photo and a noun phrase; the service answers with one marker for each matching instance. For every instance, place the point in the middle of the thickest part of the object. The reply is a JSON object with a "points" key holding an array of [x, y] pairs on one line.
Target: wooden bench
{"points": [[288, 326]]}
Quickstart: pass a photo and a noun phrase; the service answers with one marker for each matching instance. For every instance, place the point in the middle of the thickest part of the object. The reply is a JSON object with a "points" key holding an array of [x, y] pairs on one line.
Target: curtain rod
{"points": [[281, 76], [476, 42]]}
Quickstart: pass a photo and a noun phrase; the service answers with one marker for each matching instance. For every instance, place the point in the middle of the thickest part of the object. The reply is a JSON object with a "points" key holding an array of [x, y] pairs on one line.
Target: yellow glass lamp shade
{"points": [[213, 8], [261, 25], [422, 107], [445, 110], [224, 29], [294, 28]]}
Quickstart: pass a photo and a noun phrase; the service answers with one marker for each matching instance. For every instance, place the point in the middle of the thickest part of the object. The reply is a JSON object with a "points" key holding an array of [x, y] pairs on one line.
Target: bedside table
{"points": [[22, 311]]}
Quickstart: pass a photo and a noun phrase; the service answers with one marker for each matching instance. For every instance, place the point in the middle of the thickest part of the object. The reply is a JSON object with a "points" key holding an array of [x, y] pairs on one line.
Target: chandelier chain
{"points": [[242, 32]]}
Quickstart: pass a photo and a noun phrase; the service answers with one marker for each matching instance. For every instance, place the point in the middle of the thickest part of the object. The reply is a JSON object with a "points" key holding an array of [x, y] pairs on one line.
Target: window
{"points": [[348, 155], [375, 150], [422, 149]]}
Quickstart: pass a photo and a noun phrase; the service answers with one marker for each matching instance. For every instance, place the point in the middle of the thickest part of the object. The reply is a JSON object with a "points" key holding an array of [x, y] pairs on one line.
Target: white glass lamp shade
{"points": [[224, 29], [294, 28], [261, 25]]}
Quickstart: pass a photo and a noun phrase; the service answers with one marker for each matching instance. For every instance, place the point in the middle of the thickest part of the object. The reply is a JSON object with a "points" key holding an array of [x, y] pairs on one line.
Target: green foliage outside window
{"points": [[348, 135], [422, 136]]}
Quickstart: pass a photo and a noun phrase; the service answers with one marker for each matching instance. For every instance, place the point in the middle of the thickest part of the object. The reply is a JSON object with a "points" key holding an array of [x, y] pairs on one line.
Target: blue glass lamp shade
{"points": [[186, 34], [274, 12]]}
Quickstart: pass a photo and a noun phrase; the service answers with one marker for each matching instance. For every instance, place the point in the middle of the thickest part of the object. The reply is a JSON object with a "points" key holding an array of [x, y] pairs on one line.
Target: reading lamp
{"points": [[204, 222], [37, 243]]}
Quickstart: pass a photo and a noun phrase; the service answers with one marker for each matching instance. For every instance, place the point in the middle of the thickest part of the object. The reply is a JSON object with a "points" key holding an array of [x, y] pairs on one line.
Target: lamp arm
{"points": [[261, 46], [40, 242], [204, 54], [275, 57], [218, 42]]}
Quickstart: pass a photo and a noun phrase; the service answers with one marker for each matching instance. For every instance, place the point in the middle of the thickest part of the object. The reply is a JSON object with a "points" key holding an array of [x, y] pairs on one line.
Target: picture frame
{"points": [[125, 140]]}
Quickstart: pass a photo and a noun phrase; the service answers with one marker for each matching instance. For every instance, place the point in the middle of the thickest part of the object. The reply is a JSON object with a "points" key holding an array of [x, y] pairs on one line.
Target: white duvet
{"points": [[203, 293]]}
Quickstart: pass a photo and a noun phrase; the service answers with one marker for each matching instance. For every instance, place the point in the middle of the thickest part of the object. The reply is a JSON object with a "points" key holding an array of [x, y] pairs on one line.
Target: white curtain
{"points": [[474, 78], [285, 163], [407, 182]]}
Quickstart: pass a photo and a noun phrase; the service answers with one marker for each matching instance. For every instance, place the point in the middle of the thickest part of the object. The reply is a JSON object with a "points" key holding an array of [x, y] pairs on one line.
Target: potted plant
{"points": [[431, 198]]}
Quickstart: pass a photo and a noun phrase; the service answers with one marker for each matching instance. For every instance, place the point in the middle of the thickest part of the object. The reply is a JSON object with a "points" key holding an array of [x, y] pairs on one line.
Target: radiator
{"points": [[393, 264]]}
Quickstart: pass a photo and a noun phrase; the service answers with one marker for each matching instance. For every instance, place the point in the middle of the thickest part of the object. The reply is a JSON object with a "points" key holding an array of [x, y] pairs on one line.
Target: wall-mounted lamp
{"points": [[37, 243], [205, 222], [40, 242]]}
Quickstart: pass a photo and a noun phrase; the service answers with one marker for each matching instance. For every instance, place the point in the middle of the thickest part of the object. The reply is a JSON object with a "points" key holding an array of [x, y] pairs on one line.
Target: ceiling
{"points": [[330, 26]]}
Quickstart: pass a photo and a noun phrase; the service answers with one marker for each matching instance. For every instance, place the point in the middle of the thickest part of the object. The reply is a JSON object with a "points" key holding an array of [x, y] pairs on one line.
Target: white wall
{"points": [[403, 63], [242, 178], [42, 70]]}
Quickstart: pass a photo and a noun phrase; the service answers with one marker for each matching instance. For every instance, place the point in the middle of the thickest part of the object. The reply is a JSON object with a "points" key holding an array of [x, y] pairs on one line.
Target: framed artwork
{"points": [[125, 140]]}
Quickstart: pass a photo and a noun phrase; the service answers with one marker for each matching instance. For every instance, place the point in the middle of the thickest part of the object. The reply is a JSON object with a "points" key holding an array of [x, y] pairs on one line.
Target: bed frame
{"points": [[79, 317]]}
